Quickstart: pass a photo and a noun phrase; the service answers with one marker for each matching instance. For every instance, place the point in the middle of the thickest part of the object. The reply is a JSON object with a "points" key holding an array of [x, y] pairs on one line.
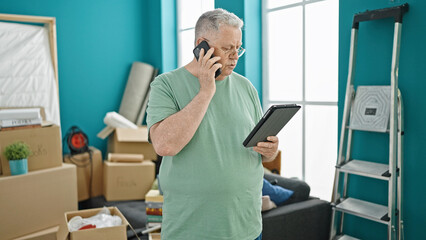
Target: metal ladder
{"points": [[390, 215]]}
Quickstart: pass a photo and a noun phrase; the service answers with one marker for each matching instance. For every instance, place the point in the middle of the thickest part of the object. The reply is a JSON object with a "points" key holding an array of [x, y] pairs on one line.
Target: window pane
{"points": [[285, 63], [279, 3], [320, 149], [186, 47], [190, 11], [207, 5], [321, 51], [290, 144]]}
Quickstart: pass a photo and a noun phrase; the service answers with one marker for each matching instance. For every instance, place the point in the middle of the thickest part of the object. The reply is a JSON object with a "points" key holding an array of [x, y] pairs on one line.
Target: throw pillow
{"points": [[277, 194]]}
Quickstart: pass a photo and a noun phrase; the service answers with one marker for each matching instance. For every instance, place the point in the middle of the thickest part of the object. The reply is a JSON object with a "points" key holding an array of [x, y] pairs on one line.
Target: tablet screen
{"points": [[271, 123]]}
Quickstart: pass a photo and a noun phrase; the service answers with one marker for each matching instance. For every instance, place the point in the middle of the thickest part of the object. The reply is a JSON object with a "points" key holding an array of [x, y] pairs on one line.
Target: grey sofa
{"points": [[301, 217]]}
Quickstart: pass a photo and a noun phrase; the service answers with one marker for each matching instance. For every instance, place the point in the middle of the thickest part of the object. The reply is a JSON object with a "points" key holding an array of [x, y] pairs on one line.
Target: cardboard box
{"points": [[128, 181], [46, 234], [37, 200], [127, 140], [154, 236], [109, 233], [45, 144], [154, 195], [84, 173]]}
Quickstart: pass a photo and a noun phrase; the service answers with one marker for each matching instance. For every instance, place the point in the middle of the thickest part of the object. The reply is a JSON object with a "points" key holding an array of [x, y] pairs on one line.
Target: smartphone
{"points": [[204, 45]]}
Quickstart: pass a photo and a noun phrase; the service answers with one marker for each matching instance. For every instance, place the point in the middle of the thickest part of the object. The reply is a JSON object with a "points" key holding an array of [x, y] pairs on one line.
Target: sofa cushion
{"points": [[277, 194]]}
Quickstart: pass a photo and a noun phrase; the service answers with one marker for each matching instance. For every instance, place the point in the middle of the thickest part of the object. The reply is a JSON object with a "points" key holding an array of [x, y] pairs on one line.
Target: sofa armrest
{"points": [[308, 219], [301, 189]]}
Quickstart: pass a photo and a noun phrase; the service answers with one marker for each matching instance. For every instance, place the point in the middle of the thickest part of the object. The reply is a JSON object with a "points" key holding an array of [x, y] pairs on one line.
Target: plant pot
{"points": [[18, 167]]}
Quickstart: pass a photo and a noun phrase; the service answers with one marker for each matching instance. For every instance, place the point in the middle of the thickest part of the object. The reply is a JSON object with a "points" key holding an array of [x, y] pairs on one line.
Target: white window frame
{"points": [[180, 31], [265, 84]]}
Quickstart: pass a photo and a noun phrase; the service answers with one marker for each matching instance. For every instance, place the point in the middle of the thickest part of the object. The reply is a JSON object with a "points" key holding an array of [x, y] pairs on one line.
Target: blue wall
{"points": [[159, 32], [373, 68], [98, 40], [250, 64]]}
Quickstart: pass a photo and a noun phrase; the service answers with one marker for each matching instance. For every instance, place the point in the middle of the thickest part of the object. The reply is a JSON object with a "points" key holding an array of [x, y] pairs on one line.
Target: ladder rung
{"points": [[367, 130], [346, 237], [366, 169], [364, 209]]}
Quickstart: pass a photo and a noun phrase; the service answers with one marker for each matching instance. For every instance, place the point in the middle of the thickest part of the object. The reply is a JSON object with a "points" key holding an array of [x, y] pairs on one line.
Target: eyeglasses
{"points": [[240, 51], [228, 52]]}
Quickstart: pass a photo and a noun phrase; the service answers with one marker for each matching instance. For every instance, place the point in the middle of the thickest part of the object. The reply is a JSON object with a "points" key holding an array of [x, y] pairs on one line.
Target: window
{"points": [[300, 44], [188, 13]]}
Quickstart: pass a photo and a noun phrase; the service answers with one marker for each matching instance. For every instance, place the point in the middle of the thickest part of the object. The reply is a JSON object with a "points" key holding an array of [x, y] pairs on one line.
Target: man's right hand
{"points": [[206, 69]]}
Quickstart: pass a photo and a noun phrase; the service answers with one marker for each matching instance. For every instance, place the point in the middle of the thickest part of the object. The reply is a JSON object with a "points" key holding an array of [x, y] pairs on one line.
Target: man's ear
{"points": [[199, 40]]}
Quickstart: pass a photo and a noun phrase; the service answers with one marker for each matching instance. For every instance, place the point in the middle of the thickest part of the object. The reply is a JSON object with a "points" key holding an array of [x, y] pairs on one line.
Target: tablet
{"points": [[271, 123]]}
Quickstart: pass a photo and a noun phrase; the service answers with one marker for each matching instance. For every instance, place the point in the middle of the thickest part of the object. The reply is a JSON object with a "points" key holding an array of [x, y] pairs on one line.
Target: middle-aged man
{"points": [[211, 182]]}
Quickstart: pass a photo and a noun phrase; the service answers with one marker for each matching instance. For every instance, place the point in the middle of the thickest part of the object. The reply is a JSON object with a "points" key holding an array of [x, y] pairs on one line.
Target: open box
{"points": [[108, 233], [128, 140]]}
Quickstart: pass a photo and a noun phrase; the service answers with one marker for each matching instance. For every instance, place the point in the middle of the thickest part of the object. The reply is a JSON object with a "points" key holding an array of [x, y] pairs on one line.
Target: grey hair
{"points": [[211, 21]]}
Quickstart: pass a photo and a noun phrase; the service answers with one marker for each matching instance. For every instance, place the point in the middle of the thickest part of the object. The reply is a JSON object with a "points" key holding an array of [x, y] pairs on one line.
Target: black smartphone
{"points": [[204, 45]]}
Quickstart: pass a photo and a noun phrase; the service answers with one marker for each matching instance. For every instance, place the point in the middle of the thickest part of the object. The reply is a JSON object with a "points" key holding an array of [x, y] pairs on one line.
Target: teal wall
{"points": [[98, 40], [159, 21], [250, 64], [373, 68]]}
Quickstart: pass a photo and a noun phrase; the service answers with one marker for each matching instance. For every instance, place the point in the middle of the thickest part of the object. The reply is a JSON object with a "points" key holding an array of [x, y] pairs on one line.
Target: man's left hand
{"points": [[268, 150]]}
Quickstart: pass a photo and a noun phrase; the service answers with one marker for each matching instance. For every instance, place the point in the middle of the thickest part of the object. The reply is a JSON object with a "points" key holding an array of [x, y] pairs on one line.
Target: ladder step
{"points": [[366, 169], [364, 209], [346, 237], [367, 130]]}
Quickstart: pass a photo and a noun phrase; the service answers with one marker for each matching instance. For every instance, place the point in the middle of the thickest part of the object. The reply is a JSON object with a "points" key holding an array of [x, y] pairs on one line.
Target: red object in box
{"points": [[89, 226]]}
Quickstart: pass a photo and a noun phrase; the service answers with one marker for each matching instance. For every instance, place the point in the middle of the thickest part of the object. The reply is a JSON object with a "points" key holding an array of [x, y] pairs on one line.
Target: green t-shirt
{"points": [[212, 187]]}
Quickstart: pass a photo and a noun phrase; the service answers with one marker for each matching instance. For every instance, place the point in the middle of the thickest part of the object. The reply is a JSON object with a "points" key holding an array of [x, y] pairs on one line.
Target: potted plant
{"points": [[17, 153]]}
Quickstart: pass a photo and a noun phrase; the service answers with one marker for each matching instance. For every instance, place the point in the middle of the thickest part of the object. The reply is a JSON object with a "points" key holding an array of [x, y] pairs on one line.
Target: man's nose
{"points": [[234, 55]]}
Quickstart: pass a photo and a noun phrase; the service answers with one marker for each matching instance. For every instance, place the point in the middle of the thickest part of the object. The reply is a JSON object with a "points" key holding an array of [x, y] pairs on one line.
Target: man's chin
{"points": [[227, 71]]}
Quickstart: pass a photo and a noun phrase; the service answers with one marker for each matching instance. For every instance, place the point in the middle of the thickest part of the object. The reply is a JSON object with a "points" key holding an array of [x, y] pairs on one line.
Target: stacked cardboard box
{"points": [[89, 173], [128, 140], [36, 201], [33, 204], [127, 181], [45, 144], [46, 234]]}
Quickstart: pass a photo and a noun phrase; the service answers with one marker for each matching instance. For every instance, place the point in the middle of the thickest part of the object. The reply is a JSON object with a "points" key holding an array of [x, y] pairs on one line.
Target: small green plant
{"points": [[17, 150]]}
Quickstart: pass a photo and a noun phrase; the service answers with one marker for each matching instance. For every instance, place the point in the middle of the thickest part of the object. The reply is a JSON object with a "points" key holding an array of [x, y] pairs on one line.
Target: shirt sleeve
{"points": [[161, 104], [258, 112], [256, 101]]}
